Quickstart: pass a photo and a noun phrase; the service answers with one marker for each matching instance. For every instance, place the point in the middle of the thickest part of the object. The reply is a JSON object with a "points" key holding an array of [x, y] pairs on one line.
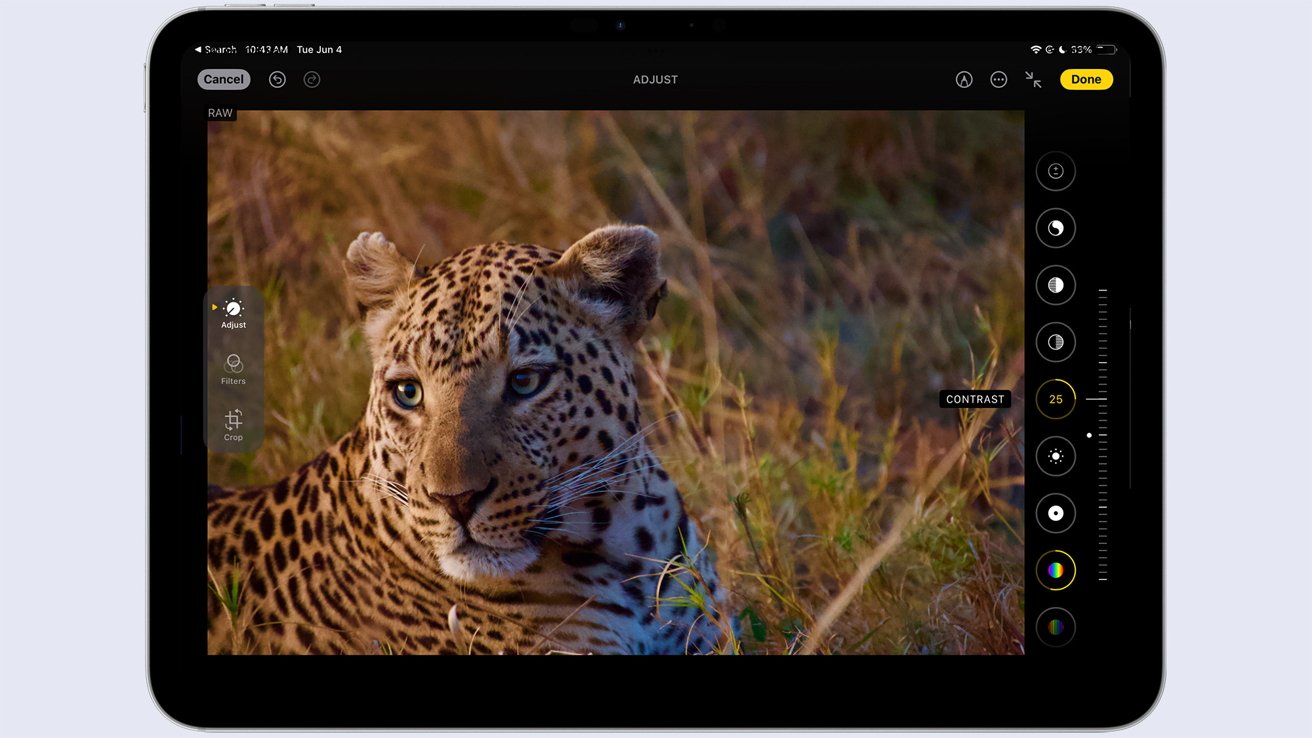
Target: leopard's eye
{"points": [[526, 382], [408, 394]]}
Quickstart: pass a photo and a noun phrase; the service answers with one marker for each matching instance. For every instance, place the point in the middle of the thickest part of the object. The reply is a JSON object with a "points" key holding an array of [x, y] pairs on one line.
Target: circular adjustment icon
{"points": [[1055, 342], [1055, 627], [277, 80], [231, 308], [1055, 228], [998, 79], [1056, 570], [1055, 171], [1055, 456], [311, 79], [1055, 399], [1055, 513], [965, 79], [1055, 285]]}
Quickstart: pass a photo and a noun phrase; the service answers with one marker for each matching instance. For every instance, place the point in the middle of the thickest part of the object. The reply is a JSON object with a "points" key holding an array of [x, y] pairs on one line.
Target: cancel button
{"points": [[223, 79]]}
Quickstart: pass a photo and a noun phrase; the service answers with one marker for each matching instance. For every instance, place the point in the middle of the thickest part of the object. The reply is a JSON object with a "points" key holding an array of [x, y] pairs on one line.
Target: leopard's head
{"points": [[502, 395]]}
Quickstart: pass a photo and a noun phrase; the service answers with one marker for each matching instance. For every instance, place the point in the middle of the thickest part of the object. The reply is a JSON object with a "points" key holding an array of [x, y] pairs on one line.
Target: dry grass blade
{"points": [[854, 585], [547, 636]]}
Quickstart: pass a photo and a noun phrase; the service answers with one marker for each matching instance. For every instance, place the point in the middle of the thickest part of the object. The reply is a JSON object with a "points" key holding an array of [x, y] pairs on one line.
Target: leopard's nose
{"points": [[461, 505]]}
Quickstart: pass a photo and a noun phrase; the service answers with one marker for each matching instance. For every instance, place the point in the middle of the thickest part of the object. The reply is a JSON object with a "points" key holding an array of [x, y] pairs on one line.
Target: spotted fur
{"points": [[483, 519]]}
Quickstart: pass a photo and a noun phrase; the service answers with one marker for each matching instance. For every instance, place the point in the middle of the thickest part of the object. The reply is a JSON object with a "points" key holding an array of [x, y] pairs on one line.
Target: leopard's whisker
{"points": [[393, 485], [618, 473], [595, 471], [587, 467], [524, 311], [637, 436], [372, 482], [508, 324], [566, 512], [581, 472], [558, 517], [384, 479], [385, 492], [391, 489], [612, 491], [600, 486], [414, 266]]}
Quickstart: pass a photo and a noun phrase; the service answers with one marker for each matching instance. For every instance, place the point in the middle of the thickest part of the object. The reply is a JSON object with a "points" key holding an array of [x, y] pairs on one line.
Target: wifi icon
{"points": [[1036, 48]]}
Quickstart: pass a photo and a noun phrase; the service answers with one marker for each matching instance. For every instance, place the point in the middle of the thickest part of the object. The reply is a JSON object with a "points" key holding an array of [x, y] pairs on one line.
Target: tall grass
{"points": [[828, 272]]}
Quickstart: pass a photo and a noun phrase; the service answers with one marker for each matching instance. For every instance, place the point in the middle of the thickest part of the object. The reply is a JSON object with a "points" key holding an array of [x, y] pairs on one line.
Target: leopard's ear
{"points": [[615, 271], [375, 272], [376, 277]]}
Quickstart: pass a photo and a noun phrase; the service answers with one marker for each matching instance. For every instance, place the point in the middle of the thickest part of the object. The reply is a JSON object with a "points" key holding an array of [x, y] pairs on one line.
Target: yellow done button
{"points": [[1086, 79]]}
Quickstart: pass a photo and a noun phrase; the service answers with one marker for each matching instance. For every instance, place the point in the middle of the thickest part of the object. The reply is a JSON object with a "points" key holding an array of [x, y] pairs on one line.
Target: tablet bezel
{"points": [[1036, 690]]}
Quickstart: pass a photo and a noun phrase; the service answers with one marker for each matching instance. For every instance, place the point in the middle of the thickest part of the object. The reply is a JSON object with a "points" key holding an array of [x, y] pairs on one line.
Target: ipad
{"points": [[655, 369]]}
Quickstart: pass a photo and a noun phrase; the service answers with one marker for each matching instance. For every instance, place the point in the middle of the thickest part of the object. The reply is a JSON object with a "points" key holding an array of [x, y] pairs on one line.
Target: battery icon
{"points": [[1105, 49]]}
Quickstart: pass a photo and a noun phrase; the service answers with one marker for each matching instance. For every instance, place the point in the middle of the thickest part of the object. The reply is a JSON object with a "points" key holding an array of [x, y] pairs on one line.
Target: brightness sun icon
{"points": [[1056, 455]]}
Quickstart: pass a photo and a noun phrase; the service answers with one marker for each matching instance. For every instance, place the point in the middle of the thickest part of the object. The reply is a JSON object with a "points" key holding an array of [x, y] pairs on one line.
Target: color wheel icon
{"points": [[1056, 570]]}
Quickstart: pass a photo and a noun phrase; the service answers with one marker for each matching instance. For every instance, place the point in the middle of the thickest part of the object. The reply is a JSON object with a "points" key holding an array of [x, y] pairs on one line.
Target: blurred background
{"points": [[829, 272]]}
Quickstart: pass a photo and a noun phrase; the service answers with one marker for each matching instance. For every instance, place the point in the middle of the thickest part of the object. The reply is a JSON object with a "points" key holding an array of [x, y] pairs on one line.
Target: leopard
{"points": [[499, 494]]}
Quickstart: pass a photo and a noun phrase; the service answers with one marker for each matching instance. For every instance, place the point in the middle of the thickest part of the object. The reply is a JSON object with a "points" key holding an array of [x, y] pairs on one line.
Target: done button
{"points": [[1086, 79]]}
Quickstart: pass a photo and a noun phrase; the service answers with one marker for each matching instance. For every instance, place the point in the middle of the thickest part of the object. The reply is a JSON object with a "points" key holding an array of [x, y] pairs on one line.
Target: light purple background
{"points": [[72, 357]]}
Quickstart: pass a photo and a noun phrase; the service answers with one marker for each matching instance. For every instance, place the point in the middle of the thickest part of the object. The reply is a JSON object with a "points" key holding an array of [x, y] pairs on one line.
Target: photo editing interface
{"points": [[645, 347]]}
